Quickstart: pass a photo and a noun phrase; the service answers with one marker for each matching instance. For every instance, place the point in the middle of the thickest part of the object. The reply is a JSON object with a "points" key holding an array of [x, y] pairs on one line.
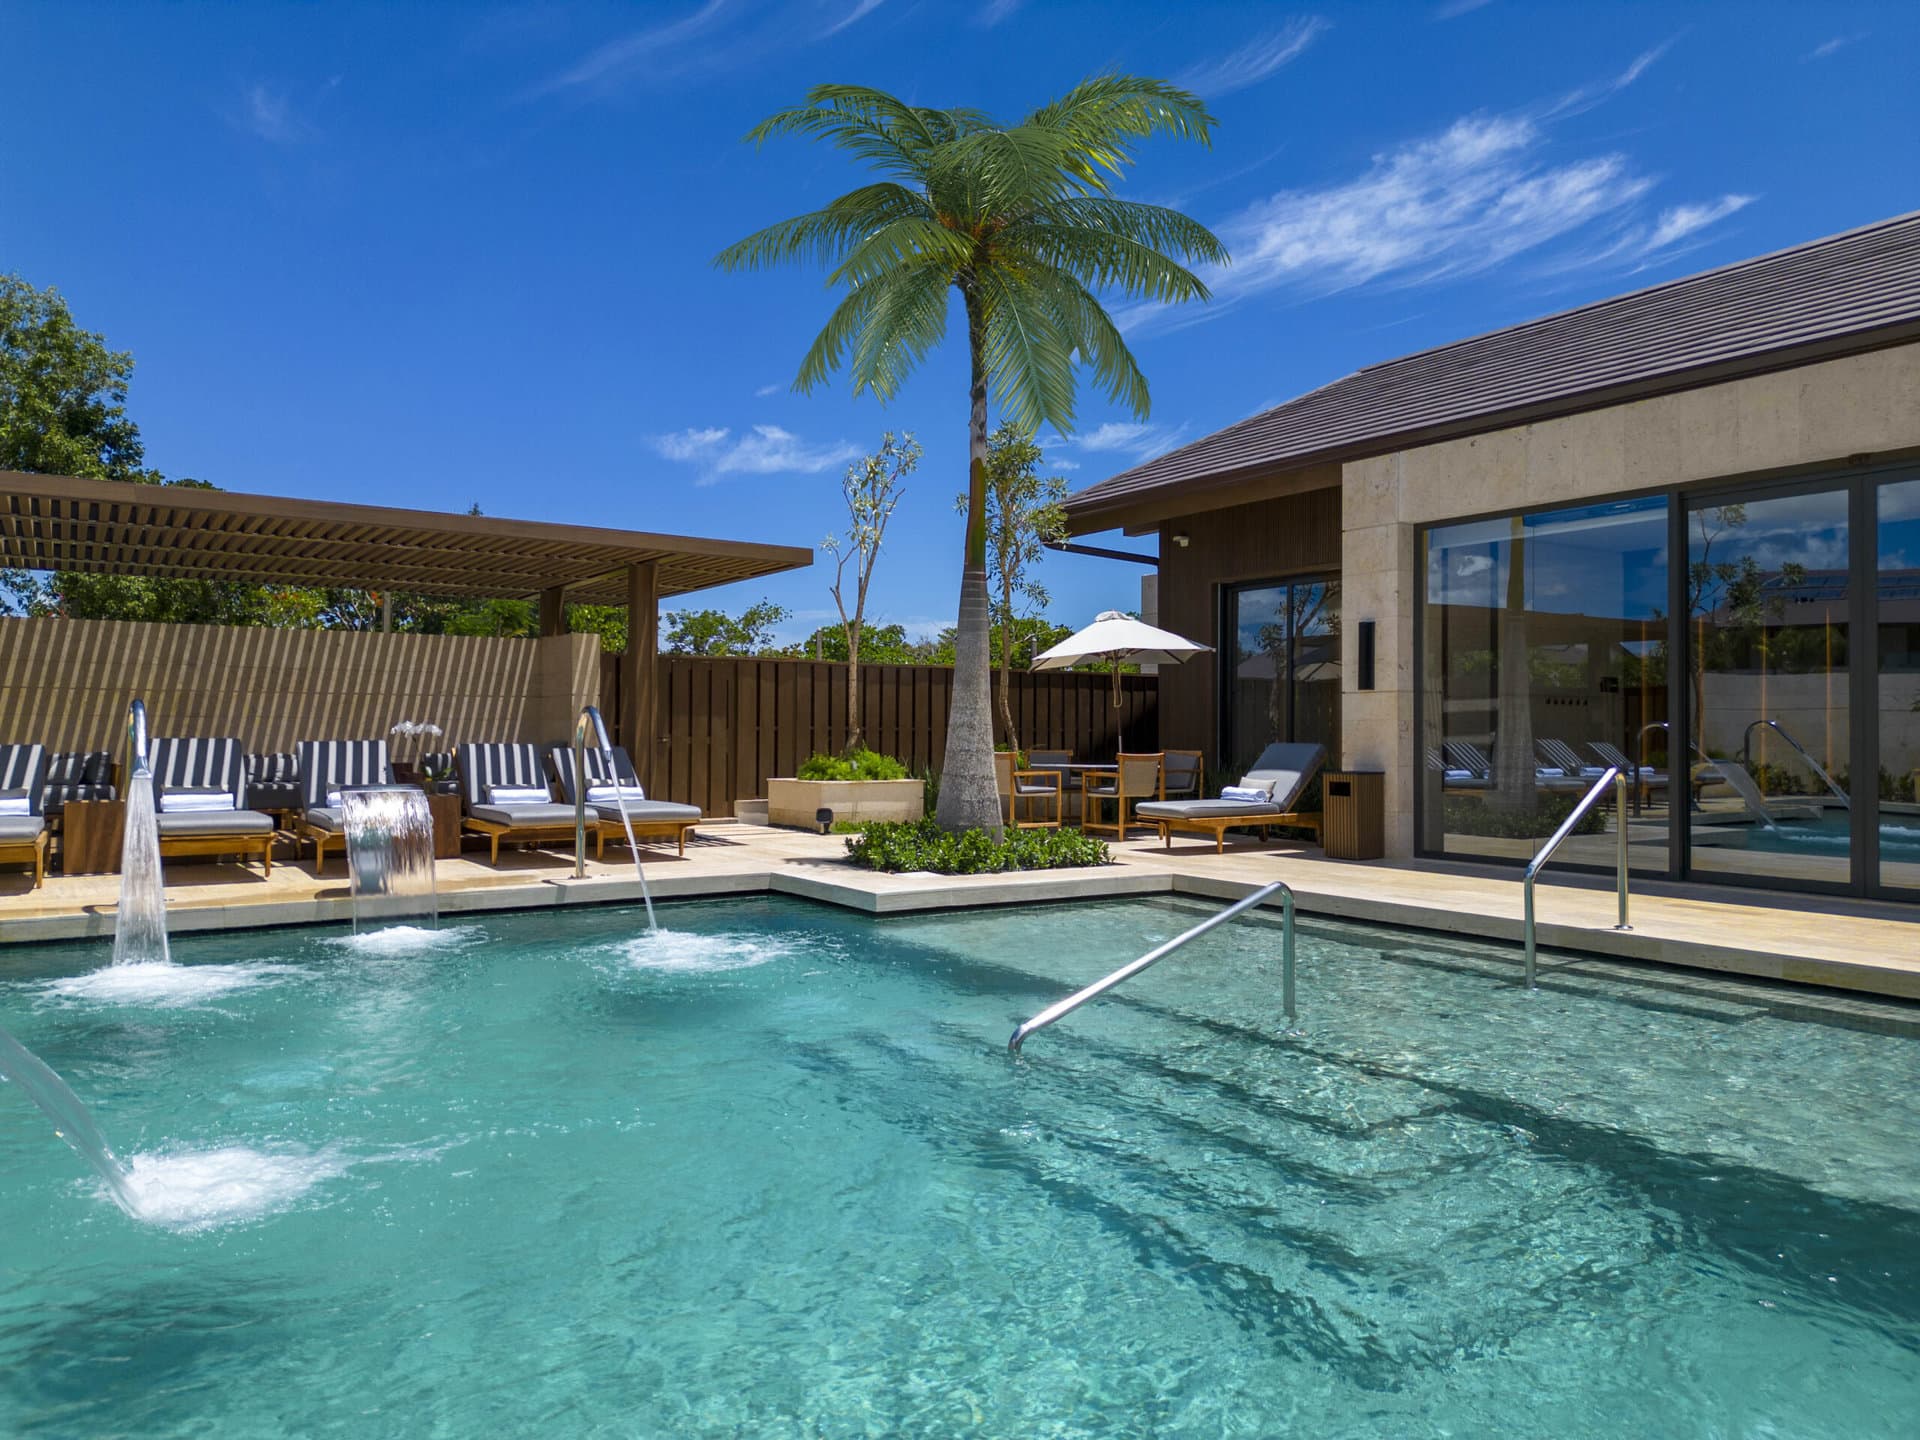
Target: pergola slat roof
{"points": [[61, 522]]}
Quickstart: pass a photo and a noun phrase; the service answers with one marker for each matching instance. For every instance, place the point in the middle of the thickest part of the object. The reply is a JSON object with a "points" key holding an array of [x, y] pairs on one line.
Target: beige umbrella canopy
{"points": [[1120, 640]]}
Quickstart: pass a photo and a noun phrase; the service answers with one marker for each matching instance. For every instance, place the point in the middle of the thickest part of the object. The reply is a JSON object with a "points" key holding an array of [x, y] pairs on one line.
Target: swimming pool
{"points": [[1831, 834], [776, 1175]]}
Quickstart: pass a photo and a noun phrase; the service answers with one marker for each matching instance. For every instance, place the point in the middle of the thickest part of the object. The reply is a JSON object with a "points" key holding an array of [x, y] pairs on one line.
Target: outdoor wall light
{"points": [[1182, 540], [824, 819]]}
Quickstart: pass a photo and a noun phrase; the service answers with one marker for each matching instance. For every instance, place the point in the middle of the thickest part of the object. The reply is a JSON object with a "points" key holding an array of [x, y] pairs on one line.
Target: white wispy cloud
{"points": [[1454, 9], [765, 390], [1254, 61], [1833, 46], [1135, 438], [995, 11], [270, 114], [637, 51], [1585, 97], [1480, 194], [763, 450], [859, 12]]}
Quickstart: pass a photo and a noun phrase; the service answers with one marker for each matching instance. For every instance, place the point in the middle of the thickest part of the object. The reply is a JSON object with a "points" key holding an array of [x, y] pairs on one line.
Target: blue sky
{"points": [[438, 254]]}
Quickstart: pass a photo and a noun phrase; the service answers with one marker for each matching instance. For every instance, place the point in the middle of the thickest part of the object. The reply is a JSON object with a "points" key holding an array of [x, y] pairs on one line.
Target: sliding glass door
{"points": [[1282, 676], [1768, 692], [1896, 836]]}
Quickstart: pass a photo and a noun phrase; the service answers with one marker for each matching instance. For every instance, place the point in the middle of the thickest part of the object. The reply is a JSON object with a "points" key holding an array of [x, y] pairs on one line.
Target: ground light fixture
{"points": [[824, 819]]}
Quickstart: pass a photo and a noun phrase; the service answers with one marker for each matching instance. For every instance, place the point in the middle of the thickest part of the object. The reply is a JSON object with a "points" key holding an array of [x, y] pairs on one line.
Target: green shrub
{"points": [[860, 764], [1467, 816], [898, 845]]}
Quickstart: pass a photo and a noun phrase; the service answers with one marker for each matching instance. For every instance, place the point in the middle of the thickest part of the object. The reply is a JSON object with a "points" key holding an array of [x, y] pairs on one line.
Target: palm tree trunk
{"points": [[969, 796]]}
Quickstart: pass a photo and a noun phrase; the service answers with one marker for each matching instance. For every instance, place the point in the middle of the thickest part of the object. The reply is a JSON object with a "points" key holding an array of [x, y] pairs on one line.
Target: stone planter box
{"points": [[795, 802]]}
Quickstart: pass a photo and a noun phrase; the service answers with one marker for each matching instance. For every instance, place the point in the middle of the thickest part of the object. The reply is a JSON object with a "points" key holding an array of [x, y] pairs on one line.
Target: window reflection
{"points": [[1897, 597], [1544, 649], [1284, 683]]}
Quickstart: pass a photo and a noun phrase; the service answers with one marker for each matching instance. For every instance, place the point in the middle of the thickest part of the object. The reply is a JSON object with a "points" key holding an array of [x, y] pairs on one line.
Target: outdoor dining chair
{"points": [[1135, 778]]}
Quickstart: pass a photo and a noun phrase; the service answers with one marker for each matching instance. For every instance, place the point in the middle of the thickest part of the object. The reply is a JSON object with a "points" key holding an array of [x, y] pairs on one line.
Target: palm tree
{"points": [[1020, 221]]}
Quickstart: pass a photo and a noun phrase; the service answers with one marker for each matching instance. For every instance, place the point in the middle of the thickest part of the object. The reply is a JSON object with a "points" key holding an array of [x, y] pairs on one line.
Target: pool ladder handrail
{"points": [[1746, 758], [1615, 777], [1061, 1009]]}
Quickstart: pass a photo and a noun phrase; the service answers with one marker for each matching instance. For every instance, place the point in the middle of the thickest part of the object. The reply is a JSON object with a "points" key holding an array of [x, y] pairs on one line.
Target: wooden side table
{"points": [[90, 836], [446, 825]]}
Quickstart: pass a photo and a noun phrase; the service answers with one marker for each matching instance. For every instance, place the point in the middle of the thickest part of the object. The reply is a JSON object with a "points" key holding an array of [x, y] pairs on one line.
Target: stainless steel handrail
{"points": [[137, 738], [1061, 1009], [1746, 756], [1618, 780]]}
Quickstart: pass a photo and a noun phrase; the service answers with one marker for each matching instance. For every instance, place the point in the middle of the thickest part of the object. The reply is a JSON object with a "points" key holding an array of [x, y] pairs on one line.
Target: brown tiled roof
{"points": [[1846, 293]]}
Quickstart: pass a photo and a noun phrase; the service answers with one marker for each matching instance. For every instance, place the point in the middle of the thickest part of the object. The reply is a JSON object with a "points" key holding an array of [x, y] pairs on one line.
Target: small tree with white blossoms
{"points": [[872, 489]]}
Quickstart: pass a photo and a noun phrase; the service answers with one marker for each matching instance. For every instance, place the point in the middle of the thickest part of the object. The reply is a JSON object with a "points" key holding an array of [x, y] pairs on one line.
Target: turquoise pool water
{"points": [[1830, 835], [777, 1176]]}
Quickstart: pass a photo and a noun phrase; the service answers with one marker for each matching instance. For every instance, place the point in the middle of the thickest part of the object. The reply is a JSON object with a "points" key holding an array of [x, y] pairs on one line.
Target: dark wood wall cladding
{"points": [[1267, 540]]}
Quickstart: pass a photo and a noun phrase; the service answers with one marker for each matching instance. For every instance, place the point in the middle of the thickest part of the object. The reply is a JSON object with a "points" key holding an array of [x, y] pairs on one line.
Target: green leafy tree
{"points": [[872, 490], [63, 393], [1025, 510], [714, 632], [879, 645], [1020, 224]]}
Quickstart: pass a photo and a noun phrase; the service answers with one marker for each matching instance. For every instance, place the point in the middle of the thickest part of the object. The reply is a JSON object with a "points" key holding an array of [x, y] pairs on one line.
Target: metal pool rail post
{"points": [[1061, 1009], [1618, 780]]}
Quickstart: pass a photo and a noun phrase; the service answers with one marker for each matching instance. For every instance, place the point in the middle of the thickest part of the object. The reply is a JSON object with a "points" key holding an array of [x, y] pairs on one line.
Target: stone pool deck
{"points": [[1846, 944]]}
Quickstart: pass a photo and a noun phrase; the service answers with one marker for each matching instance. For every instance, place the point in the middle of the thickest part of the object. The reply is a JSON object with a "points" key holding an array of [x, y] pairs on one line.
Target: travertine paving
{"points": [[1815, 940]]}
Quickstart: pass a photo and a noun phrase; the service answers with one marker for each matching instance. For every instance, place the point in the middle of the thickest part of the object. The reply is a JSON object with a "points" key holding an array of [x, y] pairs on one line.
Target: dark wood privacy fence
{"points": [[726, 725]]}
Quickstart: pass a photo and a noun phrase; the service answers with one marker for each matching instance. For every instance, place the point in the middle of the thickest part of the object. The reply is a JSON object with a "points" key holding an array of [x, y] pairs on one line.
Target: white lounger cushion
{"points": [[216, 822], [512, 796], [186, 802], [21, 804], [614, 794], [654, 812], [544, 815]]}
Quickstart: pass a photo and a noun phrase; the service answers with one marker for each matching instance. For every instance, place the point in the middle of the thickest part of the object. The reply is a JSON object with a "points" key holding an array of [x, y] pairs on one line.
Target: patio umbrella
{"points": [[1119, 639]]}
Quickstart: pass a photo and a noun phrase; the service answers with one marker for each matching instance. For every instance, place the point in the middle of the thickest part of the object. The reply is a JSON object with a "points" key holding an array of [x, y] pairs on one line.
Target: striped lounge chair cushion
{"points": [[484, 766], [217, 763], [23, 773], [596, 768], [330, 765]]}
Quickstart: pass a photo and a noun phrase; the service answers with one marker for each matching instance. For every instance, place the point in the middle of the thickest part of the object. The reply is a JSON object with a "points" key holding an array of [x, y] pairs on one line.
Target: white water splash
{"points": [[405, 939], [686, 952], [201, 1189], [166, 986]]}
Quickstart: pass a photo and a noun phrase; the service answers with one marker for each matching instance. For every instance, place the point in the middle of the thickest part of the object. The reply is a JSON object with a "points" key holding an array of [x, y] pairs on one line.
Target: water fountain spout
{"points": [[588, 726], [71, 1122], [140, 919], [389, 833]]}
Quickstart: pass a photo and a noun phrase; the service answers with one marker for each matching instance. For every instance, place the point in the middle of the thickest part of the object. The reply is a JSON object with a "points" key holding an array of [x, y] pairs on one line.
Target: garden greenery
{"points": [[859, 763], [899, 845]]}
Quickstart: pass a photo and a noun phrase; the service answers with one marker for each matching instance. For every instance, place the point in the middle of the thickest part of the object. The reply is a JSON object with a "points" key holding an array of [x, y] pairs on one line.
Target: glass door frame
{"points": [[1228, 629], [1861, 486]]}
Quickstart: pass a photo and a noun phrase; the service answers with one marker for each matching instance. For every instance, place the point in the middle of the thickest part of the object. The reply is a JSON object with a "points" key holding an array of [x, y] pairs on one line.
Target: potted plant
{"points": [[858, 787]]}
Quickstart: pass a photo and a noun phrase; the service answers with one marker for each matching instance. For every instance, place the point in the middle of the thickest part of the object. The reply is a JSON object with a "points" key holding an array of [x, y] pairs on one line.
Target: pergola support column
{"points": [[639, 724], [553, 611]]}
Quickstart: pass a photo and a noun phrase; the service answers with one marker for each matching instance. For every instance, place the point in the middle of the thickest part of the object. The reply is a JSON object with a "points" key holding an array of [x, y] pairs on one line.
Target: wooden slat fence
{"points": [[726, 725]]}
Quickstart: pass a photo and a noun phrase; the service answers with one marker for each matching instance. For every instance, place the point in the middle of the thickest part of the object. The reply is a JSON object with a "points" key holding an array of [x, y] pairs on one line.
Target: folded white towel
{"points": [[517, 795], [16, 804], [192, 802], [1250, 794], [613, 794], [1460, 775]]}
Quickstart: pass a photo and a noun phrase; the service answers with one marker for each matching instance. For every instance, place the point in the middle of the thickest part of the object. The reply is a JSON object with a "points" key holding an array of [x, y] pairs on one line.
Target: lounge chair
{"points": [[1034, 787], [198, 786], [326, 767], [77, 775], [648, 817], [1283, 772], [273, 786], [1135, 778], [507, 798], [23, 825], [1564, 758]]}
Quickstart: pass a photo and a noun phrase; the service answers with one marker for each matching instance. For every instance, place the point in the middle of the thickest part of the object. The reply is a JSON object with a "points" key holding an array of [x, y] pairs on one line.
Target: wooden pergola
{"points": [[107, 527]]}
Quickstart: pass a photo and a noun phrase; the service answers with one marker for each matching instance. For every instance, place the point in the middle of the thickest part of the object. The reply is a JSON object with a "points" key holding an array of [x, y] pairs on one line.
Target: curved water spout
{"points": [[71, 1122], [589, 725], [140, 919]]}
